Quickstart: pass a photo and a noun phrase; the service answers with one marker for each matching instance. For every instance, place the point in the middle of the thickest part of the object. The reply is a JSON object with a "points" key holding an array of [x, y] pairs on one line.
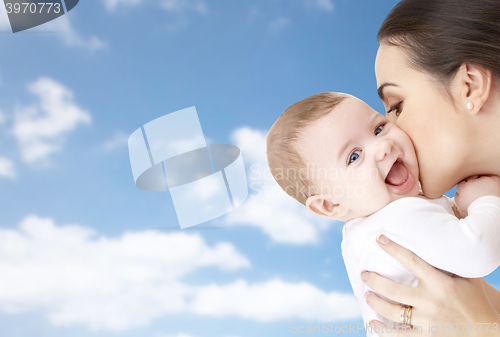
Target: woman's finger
{"points": [[380, 329], [417, 266], [390, 289], [386, 309]]}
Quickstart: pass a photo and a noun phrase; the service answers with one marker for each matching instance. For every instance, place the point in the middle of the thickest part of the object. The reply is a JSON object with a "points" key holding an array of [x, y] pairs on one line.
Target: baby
{"points": [[344, 161]]}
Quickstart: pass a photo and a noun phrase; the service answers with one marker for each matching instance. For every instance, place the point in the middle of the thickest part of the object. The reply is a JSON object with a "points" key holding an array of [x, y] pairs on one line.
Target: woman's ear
{"points": [[324, 206], [471, 87]]}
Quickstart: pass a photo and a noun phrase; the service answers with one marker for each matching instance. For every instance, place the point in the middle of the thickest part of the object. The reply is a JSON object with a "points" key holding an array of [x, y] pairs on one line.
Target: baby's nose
{"points": [[385, 147]]}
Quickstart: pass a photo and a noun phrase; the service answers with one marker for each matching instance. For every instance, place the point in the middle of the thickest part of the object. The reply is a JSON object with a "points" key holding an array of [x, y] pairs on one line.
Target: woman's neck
{"points": [[484, 157]]}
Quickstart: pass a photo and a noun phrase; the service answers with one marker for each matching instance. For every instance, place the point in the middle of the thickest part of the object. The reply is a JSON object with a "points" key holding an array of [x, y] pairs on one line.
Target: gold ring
{"points": [[403, 314], [408, 316]]}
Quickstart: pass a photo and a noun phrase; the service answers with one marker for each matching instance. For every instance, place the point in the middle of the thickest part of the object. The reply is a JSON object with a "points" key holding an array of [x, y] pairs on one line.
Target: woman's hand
{"points": [[440, 302]]}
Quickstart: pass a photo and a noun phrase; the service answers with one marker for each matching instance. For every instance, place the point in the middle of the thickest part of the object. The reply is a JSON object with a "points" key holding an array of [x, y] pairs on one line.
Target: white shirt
{"points": [[468, 247]]}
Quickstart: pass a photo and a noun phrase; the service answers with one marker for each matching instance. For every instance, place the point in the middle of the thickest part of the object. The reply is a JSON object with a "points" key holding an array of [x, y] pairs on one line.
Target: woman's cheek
{"points": [[416, 126]]}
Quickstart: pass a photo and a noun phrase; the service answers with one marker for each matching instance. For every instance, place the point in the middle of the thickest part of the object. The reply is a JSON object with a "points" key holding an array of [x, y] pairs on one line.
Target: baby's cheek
{"points": [[374, 195]]}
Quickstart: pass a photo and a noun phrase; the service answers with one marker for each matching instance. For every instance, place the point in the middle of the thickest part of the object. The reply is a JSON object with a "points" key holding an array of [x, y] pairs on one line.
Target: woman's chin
{"points": [[433, 189]]}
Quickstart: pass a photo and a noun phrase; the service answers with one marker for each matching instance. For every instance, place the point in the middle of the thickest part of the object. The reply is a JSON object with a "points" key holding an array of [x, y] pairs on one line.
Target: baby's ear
{"points": [[323, 205]]}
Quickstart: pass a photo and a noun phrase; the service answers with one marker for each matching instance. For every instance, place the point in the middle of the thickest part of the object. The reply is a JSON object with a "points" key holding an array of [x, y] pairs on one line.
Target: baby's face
{"points": [[359, 159]]}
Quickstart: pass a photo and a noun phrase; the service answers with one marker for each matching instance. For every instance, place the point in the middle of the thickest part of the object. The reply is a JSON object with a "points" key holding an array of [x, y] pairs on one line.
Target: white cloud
{"points": [[118, 140], [269, 208], [62, 25], [180, 9], [278, 24], [4, 19], [111, 5], [204, 189], [40, 128], [182, 334], [76, 276], [274, 300], [183, 145], [325, 5], [182, 6], [6, 168], [253, 14]]}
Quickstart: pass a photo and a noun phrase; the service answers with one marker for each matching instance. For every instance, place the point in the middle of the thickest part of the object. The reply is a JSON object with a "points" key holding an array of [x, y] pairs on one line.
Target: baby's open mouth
{"points": [[398, 174]]}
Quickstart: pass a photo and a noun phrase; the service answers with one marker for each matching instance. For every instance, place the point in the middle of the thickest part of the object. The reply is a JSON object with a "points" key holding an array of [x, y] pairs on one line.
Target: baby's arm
{"points": [[475, 187], [467, 247]]}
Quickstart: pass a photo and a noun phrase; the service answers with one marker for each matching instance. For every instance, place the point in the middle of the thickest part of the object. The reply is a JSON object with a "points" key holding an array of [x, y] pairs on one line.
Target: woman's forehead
{"points": [[393, 70], [387, 63]]}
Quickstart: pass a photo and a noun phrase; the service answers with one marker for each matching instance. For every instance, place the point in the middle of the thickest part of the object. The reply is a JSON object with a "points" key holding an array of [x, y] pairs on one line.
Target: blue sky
{"points": [[79, 255]]}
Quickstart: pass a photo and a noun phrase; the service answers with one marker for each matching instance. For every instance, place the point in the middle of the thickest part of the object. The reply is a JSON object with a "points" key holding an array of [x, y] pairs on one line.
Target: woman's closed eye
{"points": [[354, 156], [396, 109]]}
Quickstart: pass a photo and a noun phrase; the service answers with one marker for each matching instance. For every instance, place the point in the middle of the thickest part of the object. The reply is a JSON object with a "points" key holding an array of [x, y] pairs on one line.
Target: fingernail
{"points": [[373, 323], [366, 296], [383, 239], [365, 275]]}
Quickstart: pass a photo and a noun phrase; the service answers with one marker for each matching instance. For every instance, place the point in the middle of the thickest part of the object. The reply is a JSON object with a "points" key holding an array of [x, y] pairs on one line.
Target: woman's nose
{"points": [[384, 148]]}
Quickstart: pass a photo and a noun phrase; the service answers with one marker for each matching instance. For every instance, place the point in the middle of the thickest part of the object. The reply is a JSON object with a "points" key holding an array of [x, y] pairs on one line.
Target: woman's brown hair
{"points": [[440, 35]]}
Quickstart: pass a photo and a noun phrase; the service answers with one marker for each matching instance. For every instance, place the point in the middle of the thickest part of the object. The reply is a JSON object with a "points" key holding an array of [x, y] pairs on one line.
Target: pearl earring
{"points": [[470, 106]]}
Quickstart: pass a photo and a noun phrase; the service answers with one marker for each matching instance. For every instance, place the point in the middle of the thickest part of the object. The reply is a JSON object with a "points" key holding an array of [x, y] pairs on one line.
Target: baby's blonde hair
{"points": [[283, 137]]}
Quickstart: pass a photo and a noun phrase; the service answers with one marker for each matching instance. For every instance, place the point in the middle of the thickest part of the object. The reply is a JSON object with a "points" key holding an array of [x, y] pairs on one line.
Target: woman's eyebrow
{"points": [[380, 89]]}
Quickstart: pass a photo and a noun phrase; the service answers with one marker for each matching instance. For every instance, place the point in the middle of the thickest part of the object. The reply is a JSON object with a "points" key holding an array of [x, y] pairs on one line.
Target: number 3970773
{"points": [[31, 7]]}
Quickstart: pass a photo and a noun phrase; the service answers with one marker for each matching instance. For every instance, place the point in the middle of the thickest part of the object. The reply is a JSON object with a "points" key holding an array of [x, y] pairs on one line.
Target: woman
{"points": [[438, 75]]}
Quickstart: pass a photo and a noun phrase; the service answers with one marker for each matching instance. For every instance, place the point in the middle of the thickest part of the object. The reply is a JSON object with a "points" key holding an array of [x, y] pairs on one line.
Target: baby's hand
{"points": [[475, 187]]}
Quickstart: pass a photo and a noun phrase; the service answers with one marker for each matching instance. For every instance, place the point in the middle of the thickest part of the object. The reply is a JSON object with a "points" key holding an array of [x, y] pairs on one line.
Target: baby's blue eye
{"points": [[355, 155], [378, 130]]}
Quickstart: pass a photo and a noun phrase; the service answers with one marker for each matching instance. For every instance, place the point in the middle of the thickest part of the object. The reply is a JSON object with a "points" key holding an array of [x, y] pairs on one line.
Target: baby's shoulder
{"points": [[411, 209], [418, 202]]}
